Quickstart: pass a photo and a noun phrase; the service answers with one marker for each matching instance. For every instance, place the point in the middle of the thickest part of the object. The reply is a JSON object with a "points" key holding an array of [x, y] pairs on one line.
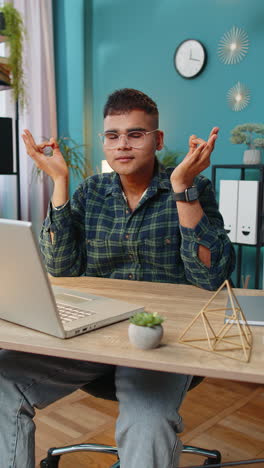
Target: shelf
{"points": [[260, 220], [9, 173], [5, 87], [249, 245], [8, 168], [238, 166]]}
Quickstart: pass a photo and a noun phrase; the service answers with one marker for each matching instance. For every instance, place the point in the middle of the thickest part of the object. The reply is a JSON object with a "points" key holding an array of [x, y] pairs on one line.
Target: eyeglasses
{"points": [[135, 138]]}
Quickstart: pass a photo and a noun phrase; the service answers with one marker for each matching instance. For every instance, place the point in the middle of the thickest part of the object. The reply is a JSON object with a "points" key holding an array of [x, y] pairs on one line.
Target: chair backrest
{"points": [[104, 387]]}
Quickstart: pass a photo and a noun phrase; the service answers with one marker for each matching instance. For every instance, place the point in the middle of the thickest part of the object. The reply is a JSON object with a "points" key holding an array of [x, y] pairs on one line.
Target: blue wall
{"points": [[69, 35], [132, 44]]}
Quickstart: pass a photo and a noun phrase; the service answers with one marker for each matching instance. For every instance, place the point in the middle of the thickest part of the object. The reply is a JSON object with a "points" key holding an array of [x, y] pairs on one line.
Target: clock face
{"points": [[190, 58]]}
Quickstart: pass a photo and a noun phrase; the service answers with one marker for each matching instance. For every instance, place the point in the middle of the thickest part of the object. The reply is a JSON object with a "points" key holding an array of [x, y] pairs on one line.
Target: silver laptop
{"points": [[27, 297]]}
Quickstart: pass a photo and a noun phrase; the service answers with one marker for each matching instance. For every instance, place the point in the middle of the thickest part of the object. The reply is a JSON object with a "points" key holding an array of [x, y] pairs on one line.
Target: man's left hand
{"points": [[196, 160]]}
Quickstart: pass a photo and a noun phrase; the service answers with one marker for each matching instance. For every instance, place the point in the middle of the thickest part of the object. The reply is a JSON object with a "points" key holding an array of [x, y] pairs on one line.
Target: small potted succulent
{"points": [[145, 330], [250, 134]]}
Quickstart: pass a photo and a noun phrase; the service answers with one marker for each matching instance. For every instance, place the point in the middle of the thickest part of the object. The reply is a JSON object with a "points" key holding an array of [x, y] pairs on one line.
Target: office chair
{"points": [[105, 388]]}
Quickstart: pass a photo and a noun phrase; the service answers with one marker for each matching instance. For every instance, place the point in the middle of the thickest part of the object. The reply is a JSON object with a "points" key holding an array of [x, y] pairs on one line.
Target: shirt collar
{"points": [[160, 181]]}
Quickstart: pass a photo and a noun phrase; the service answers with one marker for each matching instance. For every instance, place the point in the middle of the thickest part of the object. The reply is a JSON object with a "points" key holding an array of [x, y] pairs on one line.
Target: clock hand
{"points": [[196, 60], [190, 56]]}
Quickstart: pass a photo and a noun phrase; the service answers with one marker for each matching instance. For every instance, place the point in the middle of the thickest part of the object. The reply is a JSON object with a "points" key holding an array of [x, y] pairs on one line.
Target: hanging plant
{"points": [[14, 32]]}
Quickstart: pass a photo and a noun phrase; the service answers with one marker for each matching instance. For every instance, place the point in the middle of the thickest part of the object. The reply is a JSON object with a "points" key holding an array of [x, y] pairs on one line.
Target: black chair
{"points": [[105, 388]]}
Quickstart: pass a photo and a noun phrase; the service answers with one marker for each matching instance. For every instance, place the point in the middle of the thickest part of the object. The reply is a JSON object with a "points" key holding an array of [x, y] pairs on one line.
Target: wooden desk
{"points": [[178, 303]]}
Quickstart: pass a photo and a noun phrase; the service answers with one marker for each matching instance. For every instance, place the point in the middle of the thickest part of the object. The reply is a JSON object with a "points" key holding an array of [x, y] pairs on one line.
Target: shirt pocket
{"points": [[160, 252]]}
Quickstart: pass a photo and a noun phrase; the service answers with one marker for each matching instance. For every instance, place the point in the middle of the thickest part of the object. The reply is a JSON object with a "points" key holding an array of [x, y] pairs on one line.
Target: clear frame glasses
{"points": [[134, 138]]}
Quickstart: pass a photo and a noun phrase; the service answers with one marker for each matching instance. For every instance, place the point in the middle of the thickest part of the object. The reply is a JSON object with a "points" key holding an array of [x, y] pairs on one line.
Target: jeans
{"points": [[148, 418]]}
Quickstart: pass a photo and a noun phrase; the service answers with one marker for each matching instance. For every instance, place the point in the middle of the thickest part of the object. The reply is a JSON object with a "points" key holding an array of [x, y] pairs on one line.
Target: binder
{"points": [[247, 212], [228, 201]]}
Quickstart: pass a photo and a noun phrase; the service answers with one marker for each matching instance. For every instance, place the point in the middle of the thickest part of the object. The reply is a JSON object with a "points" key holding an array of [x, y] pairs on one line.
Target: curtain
{"points": [[39, 115]]}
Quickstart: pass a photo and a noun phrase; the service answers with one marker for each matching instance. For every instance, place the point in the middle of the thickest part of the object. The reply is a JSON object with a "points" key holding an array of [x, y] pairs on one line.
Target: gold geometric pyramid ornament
{"points": [[232, 338]]}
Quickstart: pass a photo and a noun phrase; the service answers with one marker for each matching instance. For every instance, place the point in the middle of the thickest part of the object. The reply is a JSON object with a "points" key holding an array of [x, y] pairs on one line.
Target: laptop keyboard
{"points": [[70, 313]]}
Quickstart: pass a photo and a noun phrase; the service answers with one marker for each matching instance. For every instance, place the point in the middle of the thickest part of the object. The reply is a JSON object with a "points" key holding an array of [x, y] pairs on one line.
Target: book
{"points": [[5, 79], [4, 60], [5, 68], [252, 308]]}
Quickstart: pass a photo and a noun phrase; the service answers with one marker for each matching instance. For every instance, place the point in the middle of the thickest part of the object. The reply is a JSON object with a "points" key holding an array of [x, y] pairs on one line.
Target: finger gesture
{"points": [[54, 165], [196, 160]]}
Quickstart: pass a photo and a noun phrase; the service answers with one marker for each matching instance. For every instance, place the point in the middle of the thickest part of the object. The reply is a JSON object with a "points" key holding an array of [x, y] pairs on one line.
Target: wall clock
{"points": [[190, 58]]}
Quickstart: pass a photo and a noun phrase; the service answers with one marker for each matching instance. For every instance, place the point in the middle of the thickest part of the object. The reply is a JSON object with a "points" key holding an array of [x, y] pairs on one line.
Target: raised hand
{"points": [[196, 160], [55, 165]]}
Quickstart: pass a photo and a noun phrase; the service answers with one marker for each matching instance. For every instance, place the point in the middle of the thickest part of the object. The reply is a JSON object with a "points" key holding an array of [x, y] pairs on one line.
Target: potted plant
{"points": [[12, 28], [169, 158], [71, 151], [145, 330], [248, 134]]}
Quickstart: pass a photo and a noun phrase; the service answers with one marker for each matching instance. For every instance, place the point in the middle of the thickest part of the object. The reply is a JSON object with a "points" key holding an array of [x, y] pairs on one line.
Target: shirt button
{"points": [[167, 241], [198, 238], [130, 276], [127, 211], [127, 236]]}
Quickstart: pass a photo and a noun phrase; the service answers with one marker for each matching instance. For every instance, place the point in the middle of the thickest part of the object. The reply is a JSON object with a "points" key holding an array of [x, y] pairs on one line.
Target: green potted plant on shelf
{"points": [[249, 134], [12, 28], [145, 330]]}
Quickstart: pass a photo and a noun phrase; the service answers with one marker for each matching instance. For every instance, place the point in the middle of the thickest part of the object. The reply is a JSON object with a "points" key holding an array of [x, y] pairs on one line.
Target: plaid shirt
{"points": [[96, 234]]}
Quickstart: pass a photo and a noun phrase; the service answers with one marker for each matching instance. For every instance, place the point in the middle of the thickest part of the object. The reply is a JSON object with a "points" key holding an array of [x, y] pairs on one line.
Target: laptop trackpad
{"points": [[71, 299]]}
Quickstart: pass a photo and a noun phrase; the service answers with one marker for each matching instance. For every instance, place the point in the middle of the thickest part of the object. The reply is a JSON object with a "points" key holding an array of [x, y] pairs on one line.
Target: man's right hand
{"points": [[55, 165]]}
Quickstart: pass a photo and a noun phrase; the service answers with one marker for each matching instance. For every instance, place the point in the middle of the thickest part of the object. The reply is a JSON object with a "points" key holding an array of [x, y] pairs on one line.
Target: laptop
{"points": [[252, 307], [27, 297]]}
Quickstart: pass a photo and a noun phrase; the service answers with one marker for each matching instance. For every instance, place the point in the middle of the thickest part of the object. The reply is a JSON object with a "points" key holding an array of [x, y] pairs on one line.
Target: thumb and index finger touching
{"points": [[194, 142], [36, 151]]}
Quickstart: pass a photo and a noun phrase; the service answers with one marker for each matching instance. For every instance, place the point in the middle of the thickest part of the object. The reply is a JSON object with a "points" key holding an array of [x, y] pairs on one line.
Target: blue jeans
{"points": [[148, 418]]}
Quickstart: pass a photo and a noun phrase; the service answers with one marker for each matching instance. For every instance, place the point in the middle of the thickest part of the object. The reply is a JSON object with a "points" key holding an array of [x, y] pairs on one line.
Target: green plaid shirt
{"points": [[96, 234]]}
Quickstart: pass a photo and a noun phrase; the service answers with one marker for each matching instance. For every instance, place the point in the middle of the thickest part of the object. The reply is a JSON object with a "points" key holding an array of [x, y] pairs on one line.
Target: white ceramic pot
{"points": [[252, 156], [145, 337]]}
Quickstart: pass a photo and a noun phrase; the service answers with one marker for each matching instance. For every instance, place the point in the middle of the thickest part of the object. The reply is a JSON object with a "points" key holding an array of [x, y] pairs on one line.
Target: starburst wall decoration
{"points": [[233, 46], [238, 97]]}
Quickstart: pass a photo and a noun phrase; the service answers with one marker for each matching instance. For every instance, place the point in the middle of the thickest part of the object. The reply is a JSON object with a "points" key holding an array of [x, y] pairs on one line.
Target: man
{"points": [[141, 222]]}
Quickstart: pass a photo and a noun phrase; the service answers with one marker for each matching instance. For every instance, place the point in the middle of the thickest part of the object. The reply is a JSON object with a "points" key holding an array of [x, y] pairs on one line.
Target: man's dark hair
{"points": [[125, 100]]}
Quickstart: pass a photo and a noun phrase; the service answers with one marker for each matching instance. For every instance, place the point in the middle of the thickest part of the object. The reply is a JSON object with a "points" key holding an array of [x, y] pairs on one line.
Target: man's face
{"points": [[124, 159]]}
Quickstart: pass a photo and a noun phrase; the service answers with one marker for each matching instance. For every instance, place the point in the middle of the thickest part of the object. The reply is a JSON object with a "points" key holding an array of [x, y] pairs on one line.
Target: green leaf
{"points": [[15, 33], [146, 319], [245, 133], [169, 158]]}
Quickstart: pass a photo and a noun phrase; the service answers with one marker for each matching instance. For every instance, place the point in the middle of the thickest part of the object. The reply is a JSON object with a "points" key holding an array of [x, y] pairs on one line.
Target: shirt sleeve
{"points": [[210, 233], [65, 256]]}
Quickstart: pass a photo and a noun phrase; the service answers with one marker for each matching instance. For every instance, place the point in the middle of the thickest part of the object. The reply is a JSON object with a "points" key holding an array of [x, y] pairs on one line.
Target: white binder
{"points": [[247, 212], [228, 200]]}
